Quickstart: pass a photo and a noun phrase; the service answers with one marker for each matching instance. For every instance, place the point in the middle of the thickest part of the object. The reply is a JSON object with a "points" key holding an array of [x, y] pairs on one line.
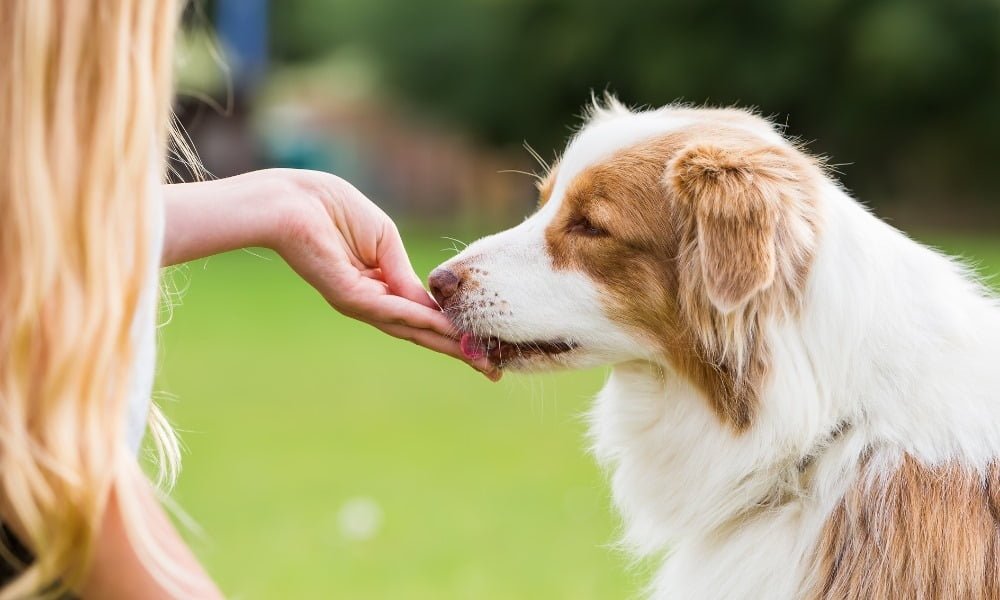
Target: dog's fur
{"points": [[804, 402]]}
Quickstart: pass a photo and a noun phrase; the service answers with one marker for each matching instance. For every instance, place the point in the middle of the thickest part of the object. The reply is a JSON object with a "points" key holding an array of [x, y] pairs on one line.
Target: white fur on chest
{"points": [[679, 480]]}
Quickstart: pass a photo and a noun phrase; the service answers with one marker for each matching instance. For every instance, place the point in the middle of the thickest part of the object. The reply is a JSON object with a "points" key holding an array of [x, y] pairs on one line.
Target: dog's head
{"points": [[671, 236]]}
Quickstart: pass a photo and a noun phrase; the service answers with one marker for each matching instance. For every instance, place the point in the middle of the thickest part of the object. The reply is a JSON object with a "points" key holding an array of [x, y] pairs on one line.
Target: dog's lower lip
{"points": [[500, 351]]}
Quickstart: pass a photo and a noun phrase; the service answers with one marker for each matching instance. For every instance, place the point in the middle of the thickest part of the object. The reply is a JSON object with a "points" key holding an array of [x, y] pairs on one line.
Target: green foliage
{"points": [[904, 90]]}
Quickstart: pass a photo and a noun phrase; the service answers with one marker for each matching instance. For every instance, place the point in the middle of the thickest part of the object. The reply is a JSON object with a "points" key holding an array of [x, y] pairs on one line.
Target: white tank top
{"points": [[144, 326]]}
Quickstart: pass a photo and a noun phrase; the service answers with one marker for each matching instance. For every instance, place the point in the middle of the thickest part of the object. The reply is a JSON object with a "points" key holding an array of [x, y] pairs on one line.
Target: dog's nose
{"points": [[444, 284]]}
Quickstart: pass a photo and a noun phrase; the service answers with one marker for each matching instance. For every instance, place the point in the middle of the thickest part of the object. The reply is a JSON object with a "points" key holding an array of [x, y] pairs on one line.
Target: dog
{"points": [[803, 402]]}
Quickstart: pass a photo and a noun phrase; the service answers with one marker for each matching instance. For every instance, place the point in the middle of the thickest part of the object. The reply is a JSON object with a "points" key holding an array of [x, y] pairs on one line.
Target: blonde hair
{"points": [[85, 91]]}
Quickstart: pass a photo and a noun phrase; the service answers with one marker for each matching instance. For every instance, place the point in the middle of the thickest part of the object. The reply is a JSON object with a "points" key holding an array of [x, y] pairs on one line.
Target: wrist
{"points": [[292, 206], [273, 208]]}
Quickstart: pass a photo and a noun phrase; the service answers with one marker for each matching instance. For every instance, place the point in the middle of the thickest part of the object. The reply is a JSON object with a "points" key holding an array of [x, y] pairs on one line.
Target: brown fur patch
{"points": [[707, 211], [927, 533]]}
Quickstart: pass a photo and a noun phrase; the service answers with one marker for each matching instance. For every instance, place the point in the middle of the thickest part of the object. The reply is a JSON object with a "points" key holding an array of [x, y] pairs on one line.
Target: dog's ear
{"points": [[731, 197]]}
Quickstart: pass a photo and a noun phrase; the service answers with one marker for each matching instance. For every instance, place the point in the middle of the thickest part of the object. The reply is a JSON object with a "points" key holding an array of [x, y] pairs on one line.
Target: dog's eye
{"points": [[583, 226]]}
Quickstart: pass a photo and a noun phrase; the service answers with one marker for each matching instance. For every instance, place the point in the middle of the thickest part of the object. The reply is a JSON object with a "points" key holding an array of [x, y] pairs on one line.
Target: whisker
{"points": [[534, 176], [538, 157], [456, 241]]}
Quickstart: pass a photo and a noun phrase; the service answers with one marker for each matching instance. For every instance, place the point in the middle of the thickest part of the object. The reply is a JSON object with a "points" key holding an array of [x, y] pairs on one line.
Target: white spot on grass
{"points": [[359, 519]]}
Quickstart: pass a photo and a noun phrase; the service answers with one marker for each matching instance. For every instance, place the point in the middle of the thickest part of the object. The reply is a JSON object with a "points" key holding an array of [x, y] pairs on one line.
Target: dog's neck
{"points": [[678, 473]]}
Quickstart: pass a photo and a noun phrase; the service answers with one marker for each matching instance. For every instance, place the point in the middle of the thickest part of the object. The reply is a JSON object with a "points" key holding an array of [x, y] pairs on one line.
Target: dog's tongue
{"points": [[472, 347]]}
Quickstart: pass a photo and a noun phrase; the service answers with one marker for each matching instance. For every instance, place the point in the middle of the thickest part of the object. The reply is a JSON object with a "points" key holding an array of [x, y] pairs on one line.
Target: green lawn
{"points": [[325, 460]]}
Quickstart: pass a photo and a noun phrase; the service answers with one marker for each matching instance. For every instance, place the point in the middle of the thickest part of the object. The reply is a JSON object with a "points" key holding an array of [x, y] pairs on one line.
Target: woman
{"points": [[85, 92]]}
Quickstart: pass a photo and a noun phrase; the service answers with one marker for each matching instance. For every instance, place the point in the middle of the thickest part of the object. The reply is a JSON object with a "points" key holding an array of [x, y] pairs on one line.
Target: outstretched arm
{"points": [[328, 232]]}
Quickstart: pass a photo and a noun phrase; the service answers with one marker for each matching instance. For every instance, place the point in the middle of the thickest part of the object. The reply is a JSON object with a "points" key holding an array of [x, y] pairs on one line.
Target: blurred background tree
{"points": [[901, 93], [905, 91]]}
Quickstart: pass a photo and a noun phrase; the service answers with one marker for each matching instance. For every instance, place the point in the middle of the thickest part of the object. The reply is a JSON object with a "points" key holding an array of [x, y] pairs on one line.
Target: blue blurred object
{"points": [[243, 29]]}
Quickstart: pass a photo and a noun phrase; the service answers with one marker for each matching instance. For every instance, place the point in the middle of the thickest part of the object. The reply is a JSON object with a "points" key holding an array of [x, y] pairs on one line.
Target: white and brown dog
{"points": [[804, 402]]}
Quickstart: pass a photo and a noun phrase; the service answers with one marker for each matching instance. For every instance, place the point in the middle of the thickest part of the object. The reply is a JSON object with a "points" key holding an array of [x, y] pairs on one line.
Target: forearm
{"points": [[210, 217]]}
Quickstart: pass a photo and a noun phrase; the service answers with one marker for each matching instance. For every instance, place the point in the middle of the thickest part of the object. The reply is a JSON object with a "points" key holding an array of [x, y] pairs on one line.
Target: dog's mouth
{"points": [[501, 352]]}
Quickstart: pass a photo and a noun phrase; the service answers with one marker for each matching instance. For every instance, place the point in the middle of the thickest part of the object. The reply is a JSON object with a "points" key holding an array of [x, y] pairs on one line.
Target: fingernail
{"points": [[493, 375]]}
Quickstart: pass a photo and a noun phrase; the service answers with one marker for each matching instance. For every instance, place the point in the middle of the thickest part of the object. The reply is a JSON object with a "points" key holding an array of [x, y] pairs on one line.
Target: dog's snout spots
{"points": [[444, 285]]}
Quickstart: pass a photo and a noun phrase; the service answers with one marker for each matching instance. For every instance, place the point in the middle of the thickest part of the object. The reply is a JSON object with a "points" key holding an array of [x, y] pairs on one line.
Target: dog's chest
{"points": [[673, 470]]}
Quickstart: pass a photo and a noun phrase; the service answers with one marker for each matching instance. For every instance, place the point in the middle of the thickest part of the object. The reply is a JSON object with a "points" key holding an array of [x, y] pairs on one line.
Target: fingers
{"points": [[401, 311], [397, 270], [427, 327], [369, 300], [439, 343]]}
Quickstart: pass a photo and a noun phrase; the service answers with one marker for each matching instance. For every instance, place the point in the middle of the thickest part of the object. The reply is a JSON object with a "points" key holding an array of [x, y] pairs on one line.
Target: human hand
{"points": [[351, 252]]}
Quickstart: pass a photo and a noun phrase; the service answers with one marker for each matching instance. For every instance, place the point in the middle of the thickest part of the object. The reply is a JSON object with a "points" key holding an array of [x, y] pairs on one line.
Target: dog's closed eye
{"points": [[583, 226]]}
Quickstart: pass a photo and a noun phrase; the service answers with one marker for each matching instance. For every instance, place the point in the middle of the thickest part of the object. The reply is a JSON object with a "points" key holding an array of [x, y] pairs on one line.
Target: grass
{"points": [[327, 460]]}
